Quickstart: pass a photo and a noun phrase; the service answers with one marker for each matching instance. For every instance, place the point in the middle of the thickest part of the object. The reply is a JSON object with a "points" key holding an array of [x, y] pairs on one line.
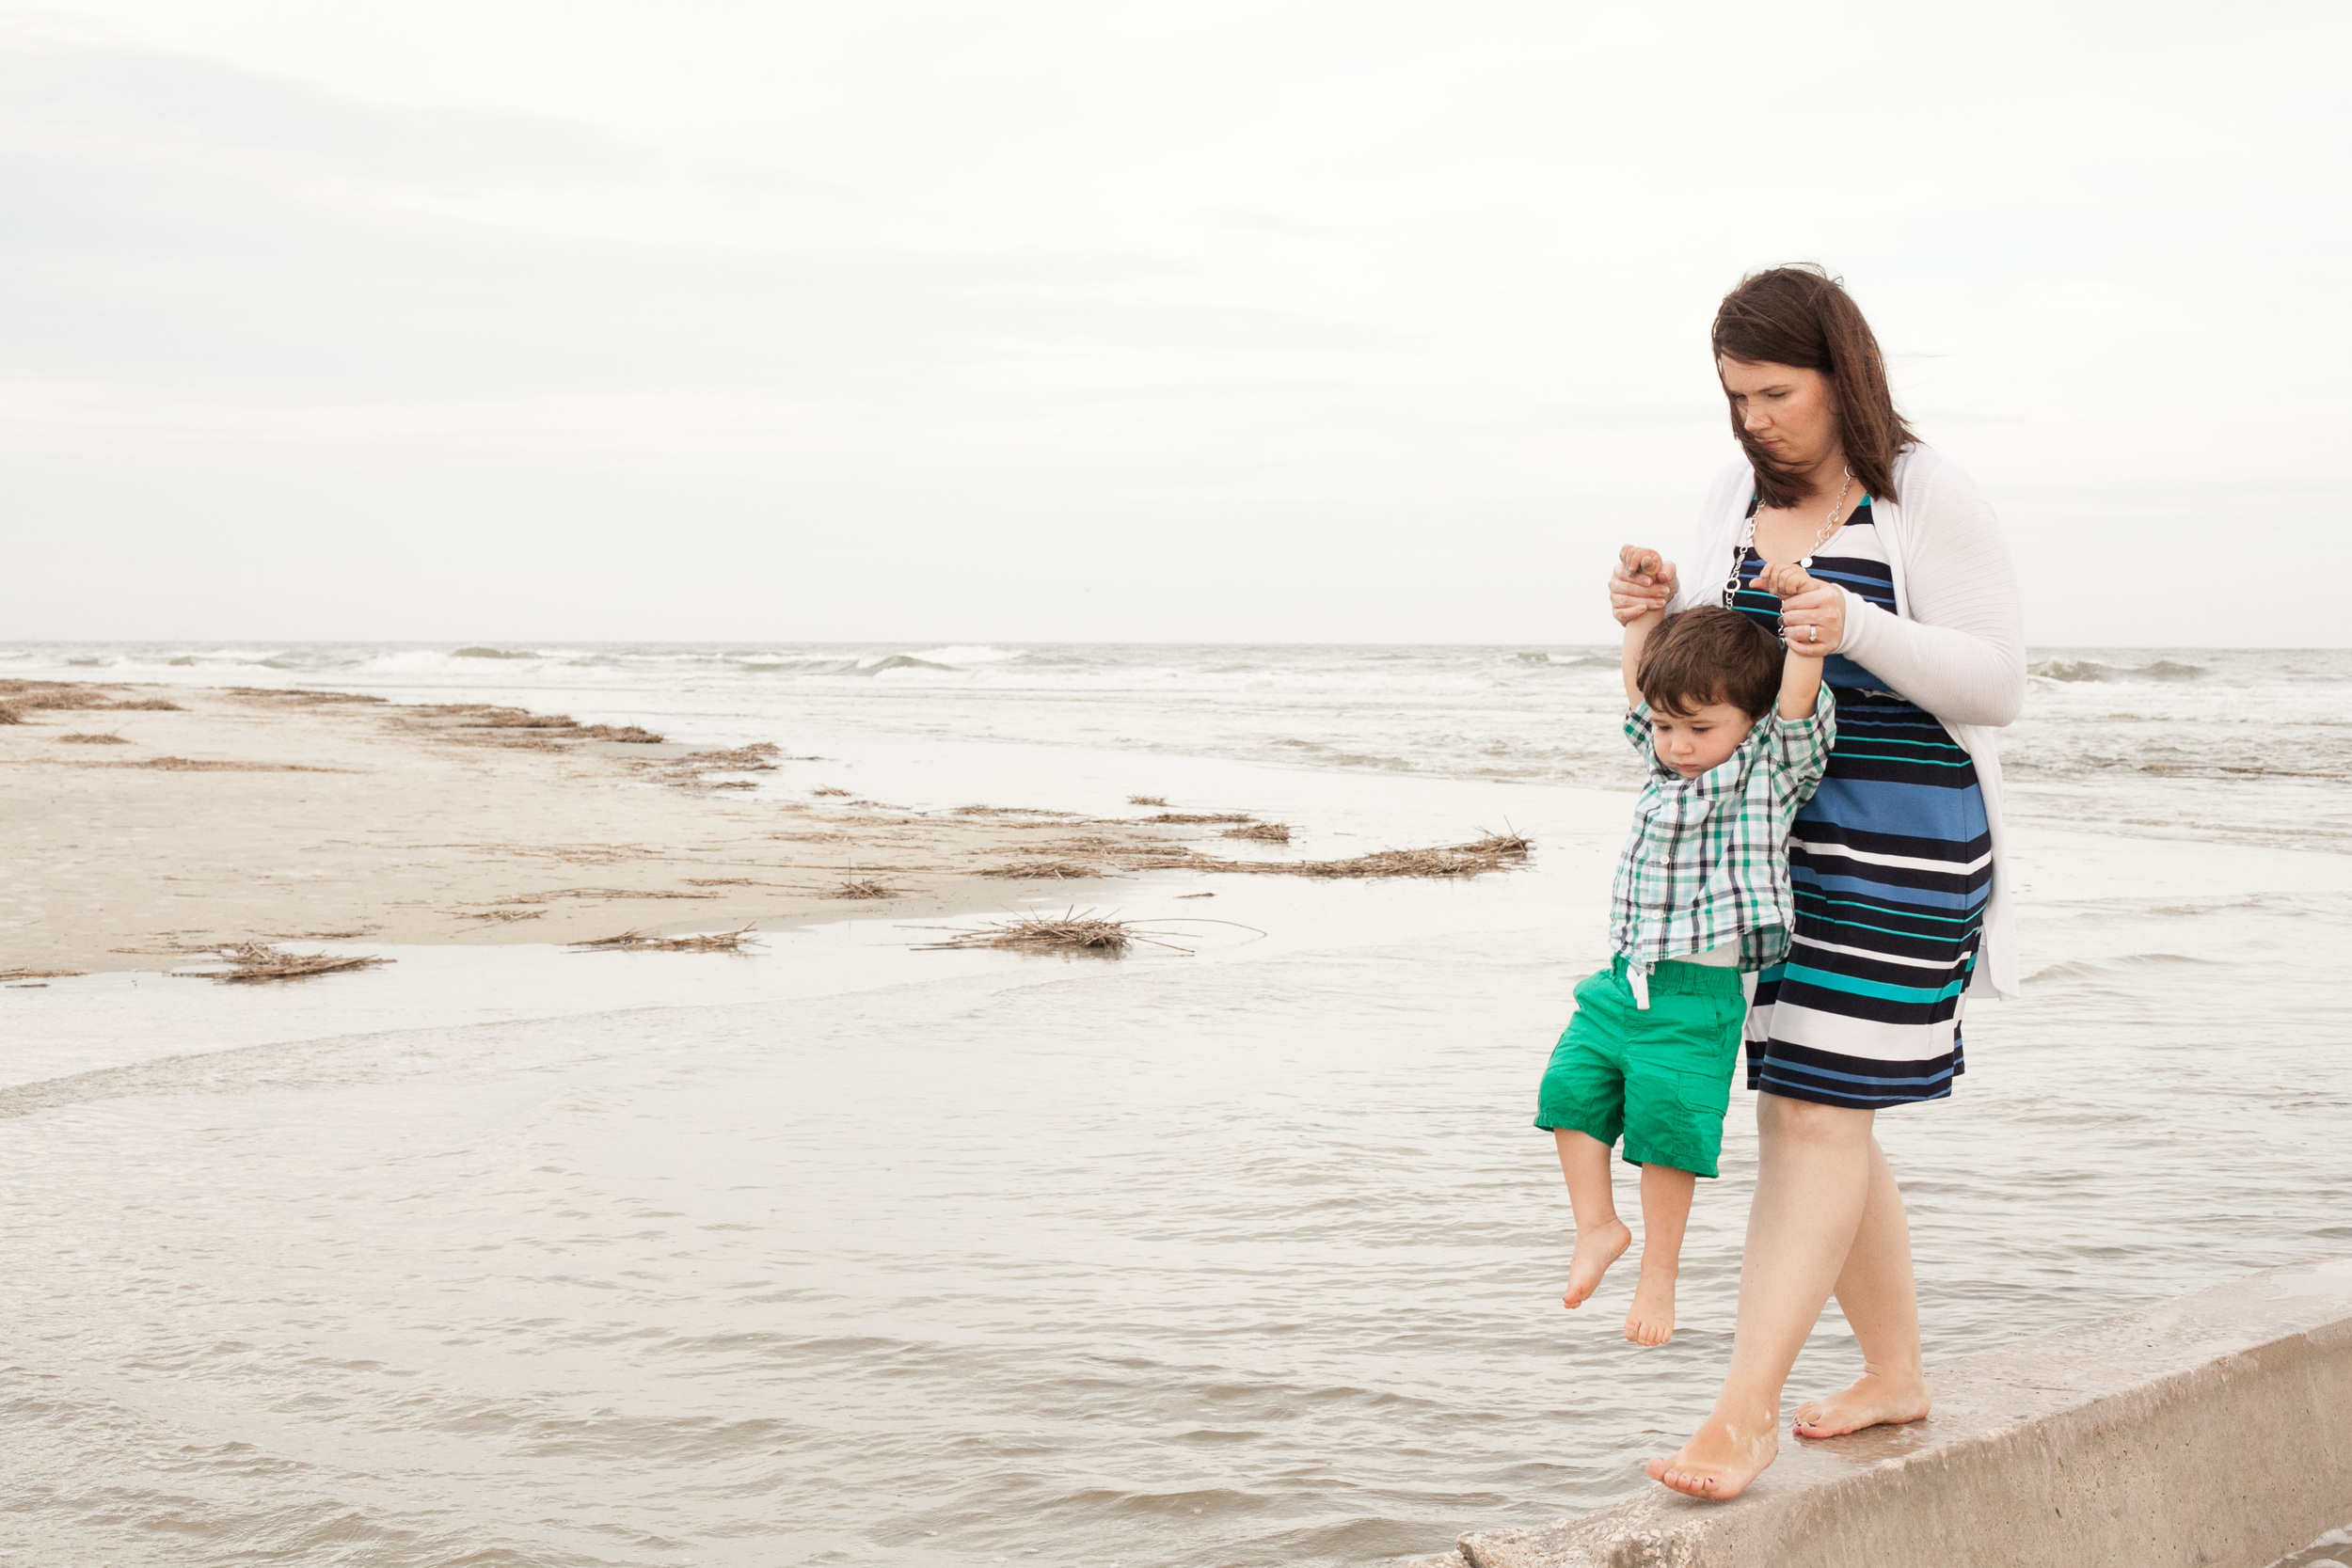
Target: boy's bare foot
{"points": [[1871, 1401], [1595, 1249], [1720, 1458], [1652, 1319]]}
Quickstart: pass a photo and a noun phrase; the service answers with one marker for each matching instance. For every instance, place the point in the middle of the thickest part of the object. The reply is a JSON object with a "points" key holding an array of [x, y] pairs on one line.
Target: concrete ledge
{"points": [[2215, 1430]]}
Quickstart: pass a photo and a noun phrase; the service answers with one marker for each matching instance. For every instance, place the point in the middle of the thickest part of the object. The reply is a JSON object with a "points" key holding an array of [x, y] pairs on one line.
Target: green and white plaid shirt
{"points": [[1707, 859]]}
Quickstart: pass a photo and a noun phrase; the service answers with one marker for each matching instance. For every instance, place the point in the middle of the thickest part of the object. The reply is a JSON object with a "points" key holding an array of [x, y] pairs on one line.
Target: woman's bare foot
{"points": [[1870, 1400], [1720, 1458], [1595, 1249], [1652, 1319]]}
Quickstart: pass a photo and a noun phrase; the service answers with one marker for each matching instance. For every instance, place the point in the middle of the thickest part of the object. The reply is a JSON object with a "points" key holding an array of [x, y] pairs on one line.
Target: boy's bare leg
{"points": [[1600, 1236], [1812, 1184], [1665, 1210], [1882, 1307]]}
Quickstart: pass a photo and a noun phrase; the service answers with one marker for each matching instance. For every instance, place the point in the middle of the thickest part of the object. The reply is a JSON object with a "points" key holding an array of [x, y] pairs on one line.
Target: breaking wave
{"points": [[871, 664], [2120, 967], [2094, 670]]}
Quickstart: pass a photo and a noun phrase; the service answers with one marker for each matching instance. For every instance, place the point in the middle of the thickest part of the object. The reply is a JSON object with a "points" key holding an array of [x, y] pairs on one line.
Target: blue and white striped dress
{"points": [[1891, 863]]}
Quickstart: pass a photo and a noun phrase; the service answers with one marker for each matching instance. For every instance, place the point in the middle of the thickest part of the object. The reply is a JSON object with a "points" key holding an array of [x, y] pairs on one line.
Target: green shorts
{"points": [[1662, 1077]]}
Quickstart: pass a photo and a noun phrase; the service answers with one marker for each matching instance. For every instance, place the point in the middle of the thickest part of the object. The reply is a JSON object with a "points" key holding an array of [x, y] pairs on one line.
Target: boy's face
{"points": [[1701, 740]]}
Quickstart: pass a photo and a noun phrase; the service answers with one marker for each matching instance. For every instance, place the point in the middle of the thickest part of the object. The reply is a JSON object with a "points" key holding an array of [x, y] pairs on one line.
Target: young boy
{"points": [[1728, 725]]}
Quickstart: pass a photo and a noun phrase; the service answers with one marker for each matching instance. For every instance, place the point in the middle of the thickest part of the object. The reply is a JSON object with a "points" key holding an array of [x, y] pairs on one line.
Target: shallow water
{"points": [[845, 1253]]}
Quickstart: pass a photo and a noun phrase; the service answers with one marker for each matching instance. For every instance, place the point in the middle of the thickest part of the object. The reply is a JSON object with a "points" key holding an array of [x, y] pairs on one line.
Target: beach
{"points": [[154, 824], [1236, 1249]]}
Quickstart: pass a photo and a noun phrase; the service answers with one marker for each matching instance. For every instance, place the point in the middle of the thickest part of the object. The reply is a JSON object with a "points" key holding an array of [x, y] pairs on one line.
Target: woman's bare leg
{"points": [[1882, 1307], [1812, 1187]]}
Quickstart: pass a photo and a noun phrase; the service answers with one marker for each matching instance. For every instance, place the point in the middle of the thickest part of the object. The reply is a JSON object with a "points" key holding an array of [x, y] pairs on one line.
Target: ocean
{"points": [[1237, 1251], [2245, 745]]}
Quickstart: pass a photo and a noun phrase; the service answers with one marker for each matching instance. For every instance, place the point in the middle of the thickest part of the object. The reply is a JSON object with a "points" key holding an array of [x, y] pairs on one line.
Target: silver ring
{"points": [[1812, 634]]}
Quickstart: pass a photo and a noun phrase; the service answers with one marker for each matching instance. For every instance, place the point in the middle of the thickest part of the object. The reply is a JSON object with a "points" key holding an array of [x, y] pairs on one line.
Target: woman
{"points": [[1902, 906]]}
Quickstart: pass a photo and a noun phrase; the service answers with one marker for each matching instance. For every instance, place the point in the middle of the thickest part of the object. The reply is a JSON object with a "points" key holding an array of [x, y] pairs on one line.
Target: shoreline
{"points": [[157, 824]]}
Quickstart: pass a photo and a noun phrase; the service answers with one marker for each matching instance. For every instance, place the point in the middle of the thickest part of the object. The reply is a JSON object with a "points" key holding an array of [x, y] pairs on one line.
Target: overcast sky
{"points": [[950, 322]]}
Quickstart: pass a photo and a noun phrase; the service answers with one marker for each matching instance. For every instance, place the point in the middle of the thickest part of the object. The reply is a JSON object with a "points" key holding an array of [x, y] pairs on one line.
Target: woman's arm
{"points": [[1961, 652]]}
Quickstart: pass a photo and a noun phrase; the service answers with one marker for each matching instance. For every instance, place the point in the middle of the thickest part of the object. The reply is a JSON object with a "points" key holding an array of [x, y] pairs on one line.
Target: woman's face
{"points": [[1791, 412]]}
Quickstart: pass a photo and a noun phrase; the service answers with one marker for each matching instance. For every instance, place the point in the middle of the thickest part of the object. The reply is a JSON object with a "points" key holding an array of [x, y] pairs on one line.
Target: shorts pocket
{"points": [[1706, 1101], [1706, 1094], [1736, 1010]]}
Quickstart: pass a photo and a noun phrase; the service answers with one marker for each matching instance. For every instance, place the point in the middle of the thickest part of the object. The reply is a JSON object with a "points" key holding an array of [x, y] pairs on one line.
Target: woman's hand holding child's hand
{"points": [[1812, 613], [1644, 580], [1786, 579]]}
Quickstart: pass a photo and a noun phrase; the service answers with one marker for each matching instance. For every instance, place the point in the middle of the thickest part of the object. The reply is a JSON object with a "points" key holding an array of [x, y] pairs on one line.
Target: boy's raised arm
{"points": [[1800, 683], [1643, 566], [1801, 672]]}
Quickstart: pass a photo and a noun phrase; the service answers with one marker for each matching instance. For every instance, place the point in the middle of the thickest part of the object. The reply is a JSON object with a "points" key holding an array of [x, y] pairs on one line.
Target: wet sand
{"points": [[306, 816]]}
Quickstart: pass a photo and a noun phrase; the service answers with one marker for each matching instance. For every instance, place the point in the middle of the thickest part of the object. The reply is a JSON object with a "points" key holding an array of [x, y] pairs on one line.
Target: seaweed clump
{"points": [[250, 961], [1494, 852], [641, 941], [1071, 931]]}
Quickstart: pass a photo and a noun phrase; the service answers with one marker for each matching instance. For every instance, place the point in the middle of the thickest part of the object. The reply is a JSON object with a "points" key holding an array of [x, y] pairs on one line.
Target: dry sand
{"points": [[307, 816]]}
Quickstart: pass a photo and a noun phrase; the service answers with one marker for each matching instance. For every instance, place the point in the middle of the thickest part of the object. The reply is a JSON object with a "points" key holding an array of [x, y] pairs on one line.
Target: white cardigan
{"points": [[1956, 646]]}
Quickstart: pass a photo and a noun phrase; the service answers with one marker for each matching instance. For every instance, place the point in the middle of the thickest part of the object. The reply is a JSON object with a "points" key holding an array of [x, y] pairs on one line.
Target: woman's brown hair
{"points": [[1802, 316]]}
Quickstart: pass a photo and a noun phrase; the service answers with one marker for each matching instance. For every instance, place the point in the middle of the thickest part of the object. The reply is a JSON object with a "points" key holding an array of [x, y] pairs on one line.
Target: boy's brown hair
{"points": [[1709, 655]]}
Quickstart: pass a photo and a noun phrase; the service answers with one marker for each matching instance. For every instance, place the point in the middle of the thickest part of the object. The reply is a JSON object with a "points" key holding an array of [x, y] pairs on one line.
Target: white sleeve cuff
{"points": [[1861, 625]]}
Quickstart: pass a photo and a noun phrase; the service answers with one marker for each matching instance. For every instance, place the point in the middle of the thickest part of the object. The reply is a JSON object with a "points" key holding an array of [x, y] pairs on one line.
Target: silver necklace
{"points": [[1747, 540]]}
